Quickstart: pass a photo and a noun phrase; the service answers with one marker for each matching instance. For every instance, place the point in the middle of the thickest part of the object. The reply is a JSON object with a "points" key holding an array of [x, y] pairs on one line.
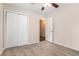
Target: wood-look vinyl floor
{"points": [[43, 48]]}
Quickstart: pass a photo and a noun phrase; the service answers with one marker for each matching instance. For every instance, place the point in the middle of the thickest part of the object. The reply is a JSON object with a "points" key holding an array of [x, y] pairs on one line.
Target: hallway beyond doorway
{"points": [[42, 28]]}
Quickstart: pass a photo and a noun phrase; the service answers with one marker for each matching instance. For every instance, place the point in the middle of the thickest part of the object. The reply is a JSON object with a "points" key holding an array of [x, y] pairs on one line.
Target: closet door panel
{"points": [[12, 30], [23, 33]]}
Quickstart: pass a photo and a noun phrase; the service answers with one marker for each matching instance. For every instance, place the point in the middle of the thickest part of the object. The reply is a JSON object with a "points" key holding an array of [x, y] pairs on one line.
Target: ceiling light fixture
{"points": [[49, 5], [45, 4]]}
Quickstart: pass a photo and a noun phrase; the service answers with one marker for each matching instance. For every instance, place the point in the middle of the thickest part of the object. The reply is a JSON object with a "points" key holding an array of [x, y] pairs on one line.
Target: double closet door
{"points": [[16, 30]]}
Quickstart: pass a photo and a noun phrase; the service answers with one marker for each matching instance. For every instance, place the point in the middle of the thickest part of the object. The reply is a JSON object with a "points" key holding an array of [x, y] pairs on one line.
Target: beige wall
{"points": [[1, 28], [66, 23]]}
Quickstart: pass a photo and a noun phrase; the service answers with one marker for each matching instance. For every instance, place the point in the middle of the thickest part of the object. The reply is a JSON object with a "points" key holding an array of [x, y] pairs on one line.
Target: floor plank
{"points": [[43, 48]]}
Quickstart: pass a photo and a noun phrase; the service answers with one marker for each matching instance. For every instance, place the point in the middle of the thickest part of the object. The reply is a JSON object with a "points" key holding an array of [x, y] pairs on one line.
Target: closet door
{"points": [[23, 30], [12, 30]]}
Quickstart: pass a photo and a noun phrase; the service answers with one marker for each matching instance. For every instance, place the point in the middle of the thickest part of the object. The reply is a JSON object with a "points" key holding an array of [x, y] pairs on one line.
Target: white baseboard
{"points": [[67, 46]]}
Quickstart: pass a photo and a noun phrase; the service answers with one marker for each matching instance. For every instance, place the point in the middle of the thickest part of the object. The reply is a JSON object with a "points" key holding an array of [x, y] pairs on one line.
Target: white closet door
{"points": [[23, 27], [12, 30]]}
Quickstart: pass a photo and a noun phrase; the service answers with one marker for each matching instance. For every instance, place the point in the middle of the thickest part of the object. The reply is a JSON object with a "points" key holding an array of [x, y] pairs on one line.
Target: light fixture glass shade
{"points": [[45, 4], [49, 5]]}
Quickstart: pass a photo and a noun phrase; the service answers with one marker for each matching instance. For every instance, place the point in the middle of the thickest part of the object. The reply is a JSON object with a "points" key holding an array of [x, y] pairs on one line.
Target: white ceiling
{"points": [[35, 7], [32, 6]]}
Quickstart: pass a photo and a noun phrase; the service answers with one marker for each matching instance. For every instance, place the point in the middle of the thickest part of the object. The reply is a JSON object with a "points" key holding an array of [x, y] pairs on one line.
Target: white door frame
{"points": [[5, 23]]}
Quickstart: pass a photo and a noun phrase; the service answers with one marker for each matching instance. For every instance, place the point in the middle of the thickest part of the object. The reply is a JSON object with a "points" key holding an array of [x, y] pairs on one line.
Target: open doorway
{"points": [[42, 29]]}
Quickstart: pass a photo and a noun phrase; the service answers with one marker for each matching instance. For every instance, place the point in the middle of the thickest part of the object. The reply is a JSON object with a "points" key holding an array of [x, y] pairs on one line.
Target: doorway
{"points": [[42, 29]]}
